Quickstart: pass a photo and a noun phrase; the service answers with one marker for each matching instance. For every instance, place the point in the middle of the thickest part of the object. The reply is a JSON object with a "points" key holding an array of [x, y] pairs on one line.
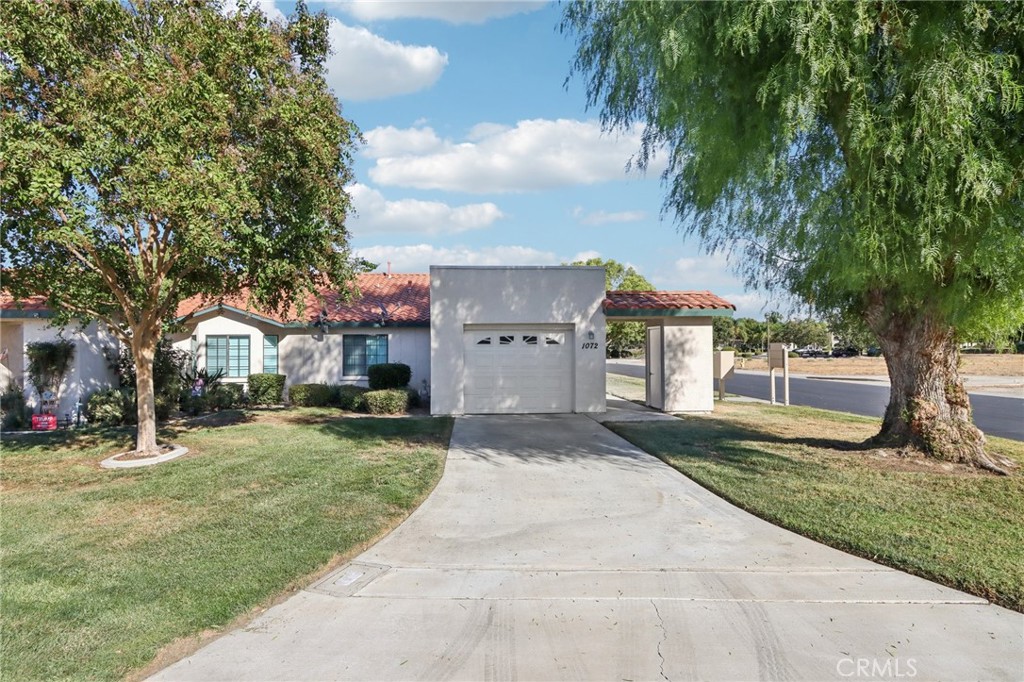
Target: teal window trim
{"points": [[359, 351], [270, 365], [229, 353]]}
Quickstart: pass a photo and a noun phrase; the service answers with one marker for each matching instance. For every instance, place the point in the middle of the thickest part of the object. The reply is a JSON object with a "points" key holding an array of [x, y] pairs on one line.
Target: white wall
{"points": [[461, 296], [318, 358], [228, 324], [304, 357], [90, 371], [689, 364]]}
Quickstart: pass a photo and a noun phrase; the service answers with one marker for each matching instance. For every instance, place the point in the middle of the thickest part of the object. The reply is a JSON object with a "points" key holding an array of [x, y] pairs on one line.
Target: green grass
{"points": [[808, 471], [627, 388], [101, 569]]}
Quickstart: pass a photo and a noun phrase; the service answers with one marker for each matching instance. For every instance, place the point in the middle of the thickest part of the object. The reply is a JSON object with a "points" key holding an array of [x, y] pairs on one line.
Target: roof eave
{"points": [[668, 312]]}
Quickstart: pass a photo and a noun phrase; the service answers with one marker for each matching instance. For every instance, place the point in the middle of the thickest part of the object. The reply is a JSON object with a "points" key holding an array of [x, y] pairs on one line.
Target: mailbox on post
{"points": [[778, 358], [724, 365]]}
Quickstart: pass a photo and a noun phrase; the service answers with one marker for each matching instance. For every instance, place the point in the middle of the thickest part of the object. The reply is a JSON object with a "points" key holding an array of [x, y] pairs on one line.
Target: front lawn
{"points": [[804, 469], [101, 569]]}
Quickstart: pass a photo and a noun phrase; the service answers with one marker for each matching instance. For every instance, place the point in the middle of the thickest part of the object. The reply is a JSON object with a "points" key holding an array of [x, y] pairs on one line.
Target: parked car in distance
{"points": [[874, 352], [845, 352], [811, 352]]}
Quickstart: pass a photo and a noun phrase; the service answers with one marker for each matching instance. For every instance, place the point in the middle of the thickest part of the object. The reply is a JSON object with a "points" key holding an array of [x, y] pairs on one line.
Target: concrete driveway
{"points": [[554, 550]]}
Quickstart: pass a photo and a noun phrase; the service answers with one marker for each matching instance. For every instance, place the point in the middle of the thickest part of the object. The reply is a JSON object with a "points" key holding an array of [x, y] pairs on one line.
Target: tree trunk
{"points": [[143, 352], [928, 405]]}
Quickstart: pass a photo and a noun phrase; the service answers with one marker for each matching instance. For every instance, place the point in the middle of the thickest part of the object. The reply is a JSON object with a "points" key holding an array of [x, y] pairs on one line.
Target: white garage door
{"points": [[519, 370]]}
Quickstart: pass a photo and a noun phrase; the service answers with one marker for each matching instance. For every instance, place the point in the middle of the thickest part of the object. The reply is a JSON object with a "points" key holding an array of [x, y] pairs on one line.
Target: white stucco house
{"points": [[478, 339]]}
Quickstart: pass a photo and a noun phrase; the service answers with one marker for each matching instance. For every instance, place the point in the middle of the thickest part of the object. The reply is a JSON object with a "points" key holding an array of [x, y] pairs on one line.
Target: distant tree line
{"points": [[748, 335]]}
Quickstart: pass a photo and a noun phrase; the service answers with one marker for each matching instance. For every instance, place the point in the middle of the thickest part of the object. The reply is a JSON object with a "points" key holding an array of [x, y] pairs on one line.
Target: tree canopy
{"points": [[622, 337], [865, 156], [154, 150]]}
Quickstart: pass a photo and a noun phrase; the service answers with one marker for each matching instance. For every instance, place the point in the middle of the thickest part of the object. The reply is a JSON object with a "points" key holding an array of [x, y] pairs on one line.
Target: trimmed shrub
{"points": [[414, 396], [14, 414], [165, 404], [107, 407], [310, 395], [389, 375], [352, 398], [266, 389], [225, 396], [194, 404], [387, 401], [793, 354]]}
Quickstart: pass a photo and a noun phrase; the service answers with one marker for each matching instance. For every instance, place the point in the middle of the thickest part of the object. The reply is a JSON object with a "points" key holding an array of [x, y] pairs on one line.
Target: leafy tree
{"points": [[802, 333], [48, 364], [154, 150], [622, 336], [865, 156]]}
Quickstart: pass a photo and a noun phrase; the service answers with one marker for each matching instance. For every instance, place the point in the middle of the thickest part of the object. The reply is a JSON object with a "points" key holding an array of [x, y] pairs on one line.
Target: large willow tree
{"points": [[154, 150], [866, 156]]}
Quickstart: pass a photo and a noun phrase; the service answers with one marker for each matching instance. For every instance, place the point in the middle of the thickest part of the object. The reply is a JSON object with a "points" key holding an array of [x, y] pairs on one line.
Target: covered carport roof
{"points": [[661, 304]]}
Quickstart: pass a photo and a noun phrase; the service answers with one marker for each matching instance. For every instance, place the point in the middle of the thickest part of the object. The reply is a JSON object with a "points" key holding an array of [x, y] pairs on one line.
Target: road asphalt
{"points": [[552, 549], [996, 415]]}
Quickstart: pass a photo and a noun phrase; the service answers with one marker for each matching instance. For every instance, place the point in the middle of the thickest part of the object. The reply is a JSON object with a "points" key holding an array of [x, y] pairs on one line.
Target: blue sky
{"points": [[478, 153]]}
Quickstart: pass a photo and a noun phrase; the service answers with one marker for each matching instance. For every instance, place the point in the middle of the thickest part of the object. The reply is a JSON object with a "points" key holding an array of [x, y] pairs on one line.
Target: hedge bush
{"points": [[389, 375], [225, 396], [414, 397], [14, 413], [266, 389], [310, 395], [107, 407], [387, 401], [351, 398]]}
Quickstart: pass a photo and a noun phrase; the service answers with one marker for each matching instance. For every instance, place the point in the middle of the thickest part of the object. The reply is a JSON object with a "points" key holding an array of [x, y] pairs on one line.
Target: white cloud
{"points": [[452, 11], [604, 218], [419, 257], [374, 213], [365, 66], [585, 255], [391, 141], [268, 7], [535, 154]]}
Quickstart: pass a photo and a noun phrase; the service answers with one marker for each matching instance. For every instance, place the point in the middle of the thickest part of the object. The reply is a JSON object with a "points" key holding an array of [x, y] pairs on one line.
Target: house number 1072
{"points": [[590, 345]]}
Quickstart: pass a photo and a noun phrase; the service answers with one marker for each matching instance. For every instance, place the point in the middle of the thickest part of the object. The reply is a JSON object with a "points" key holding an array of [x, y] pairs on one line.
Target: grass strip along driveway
{"points": [[101, 569], [806, 470]]}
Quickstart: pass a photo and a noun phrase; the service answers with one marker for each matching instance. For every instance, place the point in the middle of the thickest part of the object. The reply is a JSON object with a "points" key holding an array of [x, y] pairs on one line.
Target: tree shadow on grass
{"points": [[726, 443]]}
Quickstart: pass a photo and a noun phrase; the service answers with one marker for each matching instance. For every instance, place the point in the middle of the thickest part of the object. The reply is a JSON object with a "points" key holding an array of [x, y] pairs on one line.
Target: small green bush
{"points": [[414, 396], [225, 396], [266, 389], [108, 407], [352, 398], [165, 404], [732, 348], [389, 375], [793, 354], [310, 395], [14, 414], [194, 404], [387, 401]]}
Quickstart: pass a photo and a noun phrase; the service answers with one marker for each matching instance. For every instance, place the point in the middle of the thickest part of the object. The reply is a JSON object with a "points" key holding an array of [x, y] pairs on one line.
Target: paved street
{"points": [[995, 415]]}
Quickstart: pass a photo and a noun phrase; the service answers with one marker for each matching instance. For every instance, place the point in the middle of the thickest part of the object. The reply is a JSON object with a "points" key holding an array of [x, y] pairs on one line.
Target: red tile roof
{"points": [[398, 298], [665, 300], [30, 304]]}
